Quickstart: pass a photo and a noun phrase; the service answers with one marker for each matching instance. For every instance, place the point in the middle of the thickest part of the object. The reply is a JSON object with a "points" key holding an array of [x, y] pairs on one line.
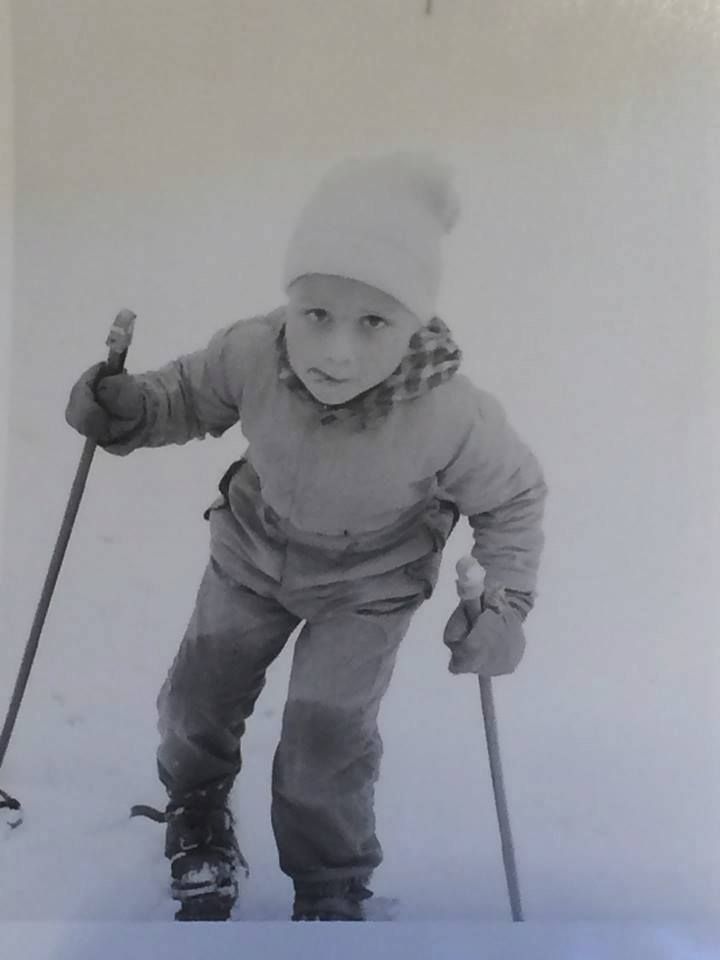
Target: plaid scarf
{"points": [[432, 357]]}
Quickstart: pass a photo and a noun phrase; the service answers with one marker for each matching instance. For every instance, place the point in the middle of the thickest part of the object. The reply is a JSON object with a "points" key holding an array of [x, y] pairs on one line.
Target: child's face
{"points": [[343, 336]]}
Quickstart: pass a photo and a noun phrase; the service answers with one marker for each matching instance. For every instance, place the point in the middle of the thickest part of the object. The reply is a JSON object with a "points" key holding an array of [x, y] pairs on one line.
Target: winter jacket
{"points": [[341, 486]]}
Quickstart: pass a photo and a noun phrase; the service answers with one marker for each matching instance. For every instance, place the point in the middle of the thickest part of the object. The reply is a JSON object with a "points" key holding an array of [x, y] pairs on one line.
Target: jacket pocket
{"points": [[224, 484], [223, 500], [217, 504], [439, 522]]}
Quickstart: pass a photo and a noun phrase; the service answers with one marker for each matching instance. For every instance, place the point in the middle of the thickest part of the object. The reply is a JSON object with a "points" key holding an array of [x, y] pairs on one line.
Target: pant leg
{"points": [[233, 636], [328, 759]]}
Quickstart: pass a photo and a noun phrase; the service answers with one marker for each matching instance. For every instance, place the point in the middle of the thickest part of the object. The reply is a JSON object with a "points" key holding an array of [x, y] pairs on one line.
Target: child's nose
{"points": [[339, 348]]}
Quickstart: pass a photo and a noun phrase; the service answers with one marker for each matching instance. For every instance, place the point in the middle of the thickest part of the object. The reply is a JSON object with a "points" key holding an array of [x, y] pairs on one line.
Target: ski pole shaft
{"points": [[506, 841], [470, 584], [118, 342]]}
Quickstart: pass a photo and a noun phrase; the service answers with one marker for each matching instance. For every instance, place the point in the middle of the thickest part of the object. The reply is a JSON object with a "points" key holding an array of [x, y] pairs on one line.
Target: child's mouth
{"points": [[324, 377]]}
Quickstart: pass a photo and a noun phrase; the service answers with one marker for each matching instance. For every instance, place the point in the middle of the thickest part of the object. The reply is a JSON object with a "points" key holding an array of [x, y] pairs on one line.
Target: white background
{"points": [[162, 151]]}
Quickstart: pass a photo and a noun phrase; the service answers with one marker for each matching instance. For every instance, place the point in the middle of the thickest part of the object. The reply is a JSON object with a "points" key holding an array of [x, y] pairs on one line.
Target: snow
{"points": [[312, 941], [580, 285]]}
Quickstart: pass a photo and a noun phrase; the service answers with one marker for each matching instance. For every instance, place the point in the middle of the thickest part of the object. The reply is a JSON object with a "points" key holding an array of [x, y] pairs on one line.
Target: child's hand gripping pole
{"points": [[470, 587], [118, 342]]}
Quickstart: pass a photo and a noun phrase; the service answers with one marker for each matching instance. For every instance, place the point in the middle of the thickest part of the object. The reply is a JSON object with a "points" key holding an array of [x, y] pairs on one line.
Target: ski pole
{"points": [[118, 341], [470, 586]]}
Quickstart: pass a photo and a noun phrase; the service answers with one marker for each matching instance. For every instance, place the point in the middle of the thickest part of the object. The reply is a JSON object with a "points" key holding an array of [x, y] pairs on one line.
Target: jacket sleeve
{"points": [[496, 481], [195, 395]]}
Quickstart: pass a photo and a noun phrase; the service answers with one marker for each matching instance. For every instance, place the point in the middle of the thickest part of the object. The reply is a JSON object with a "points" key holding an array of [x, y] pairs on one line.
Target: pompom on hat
{"points": [[379, 220]]}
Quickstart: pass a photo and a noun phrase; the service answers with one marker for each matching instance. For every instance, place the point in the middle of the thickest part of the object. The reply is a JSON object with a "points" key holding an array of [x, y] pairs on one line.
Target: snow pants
{"points": [[327, 762]]}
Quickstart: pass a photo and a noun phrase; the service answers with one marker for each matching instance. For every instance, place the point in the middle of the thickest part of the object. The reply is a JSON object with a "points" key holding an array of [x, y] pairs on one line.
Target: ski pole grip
{"points": [[470, 585], [118, 341]]}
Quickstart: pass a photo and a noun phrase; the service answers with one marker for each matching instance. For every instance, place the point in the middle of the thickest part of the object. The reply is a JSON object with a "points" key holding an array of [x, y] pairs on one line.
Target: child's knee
{"points": [[323, 742]]}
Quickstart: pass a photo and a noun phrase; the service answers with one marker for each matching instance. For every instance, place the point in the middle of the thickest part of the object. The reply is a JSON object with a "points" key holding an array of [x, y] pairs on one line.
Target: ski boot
{"points": [[331, 900], [204, 855]]}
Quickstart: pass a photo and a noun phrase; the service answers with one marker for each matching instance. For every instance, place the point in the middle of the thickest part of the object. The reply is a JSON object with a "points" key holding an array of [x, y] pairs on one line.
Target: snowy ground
{"points": [[430, 941], [81, 879]]}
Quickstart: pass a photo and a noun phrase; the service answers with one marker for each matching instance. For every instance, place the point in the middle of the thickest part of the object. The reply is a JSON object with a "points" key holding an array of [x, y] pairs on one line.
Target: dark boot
{"points": [[331, 900], [204, 854]]}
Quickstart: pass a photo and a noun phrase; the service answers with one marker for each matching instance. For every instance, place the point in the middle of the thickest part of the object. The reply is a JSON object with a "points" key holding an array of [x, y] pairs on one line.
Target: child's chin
{"points": [[332, 398], [327, 393]]}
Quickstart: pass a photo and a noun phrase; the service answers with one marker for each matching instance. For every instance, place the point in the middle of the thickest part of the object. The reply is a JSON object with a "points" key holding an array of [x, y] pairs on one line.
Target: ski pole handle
{"points": [[470, 586], [118, 341], [472, 590]]}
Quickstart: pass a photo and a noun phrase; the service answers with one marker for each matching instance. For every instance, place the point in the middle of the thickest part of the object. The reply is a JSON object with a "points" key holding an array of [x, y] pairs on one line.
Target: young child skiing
{"points": [[365, 445]]}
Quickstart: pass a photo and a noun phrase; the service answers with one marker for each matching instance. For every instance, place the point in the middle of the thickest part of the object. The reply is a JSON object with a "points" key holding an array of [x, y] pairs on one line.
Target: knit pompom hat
{"points": [[379, 220]]}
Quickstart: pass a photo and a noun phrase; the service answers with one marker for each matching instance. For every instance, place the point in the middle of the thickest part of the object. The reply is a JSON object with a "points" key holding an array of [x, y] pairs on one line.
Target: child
{"points": [[365, 446]]}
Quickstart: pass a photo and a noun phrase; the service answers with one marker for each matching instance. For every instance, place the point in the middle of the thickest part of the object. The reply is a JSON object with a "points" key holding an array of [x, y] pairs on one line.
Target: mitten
{"points": [[492, 646], [105, 408]]}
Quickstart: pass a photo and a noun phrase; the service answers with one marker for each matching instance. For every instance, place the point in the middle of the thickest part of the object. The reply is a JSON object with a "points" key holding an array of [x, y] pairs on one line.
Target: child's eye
{"points": [[375, 322], [318, 314]]}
